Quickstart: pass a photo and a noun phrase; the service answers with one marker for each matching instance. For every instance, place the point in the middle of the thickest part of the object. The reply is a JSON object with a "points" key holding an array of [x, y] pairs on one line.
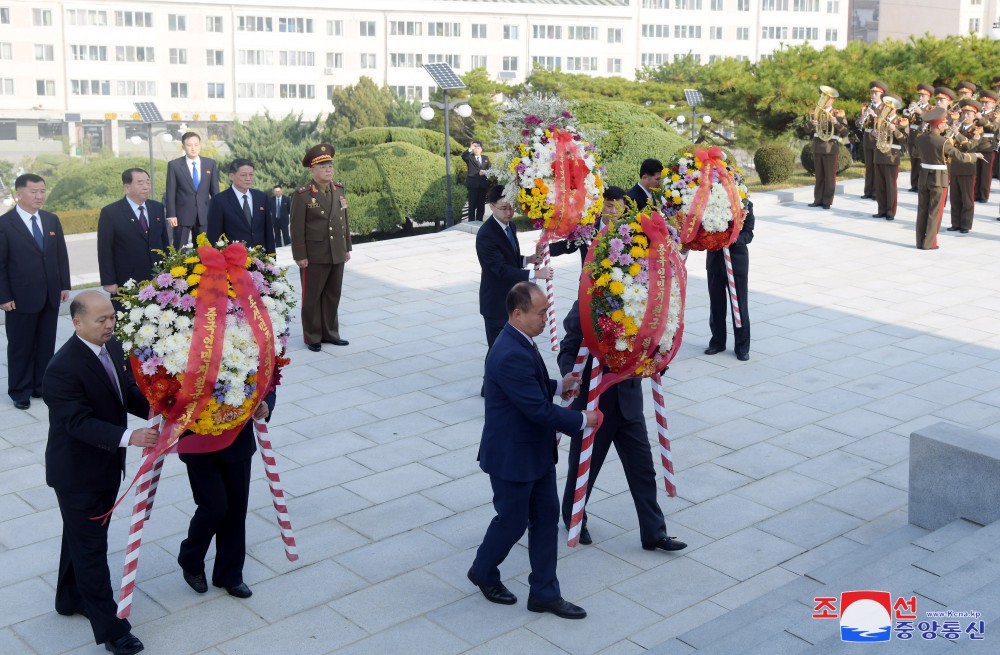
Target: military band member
{"points": [[887, 163], [965, 90], [876, 89], [995, 83], [321, 245], [943, 97], [825, 155], [915, 114], [990, 123], [963, 174], [935, 153]]}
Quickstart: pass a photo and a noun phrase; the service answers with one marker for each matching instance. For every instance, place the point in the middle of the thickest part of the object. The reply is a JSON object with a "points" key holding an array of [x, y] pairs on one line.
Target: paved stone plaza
{"points": [[783, 463]]}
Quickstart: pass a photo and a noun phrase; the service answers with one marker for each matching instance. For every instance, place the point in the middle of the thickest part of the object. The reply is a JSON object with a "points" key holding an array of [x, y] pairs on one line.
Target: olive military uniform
{"points": [[887, 170], [825, 155], [963, 176], [935, 152], [990, 123]]}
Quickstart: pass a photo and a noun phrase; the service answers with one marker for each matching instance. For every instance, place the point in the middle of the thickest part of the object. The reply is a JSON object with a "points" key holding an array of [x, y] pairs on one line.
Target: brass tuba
{"points": [[824, 121], [883, 128]]}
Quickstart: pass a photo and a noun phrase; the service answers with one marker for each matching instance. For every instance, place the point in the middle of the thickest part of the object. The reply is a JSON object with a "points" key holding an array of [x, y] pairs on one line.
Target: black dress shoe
{"points": [[22, 404], [585, 538], [743, 357], [36, 394], [80, 610], [815, 204], [955, 229], [889, 217], [912, 189], [666, 543], [196, 581], [963, 231], [826, 206], [339, 342], [497, 593], [239, 591], [127, 645], [560, 607], [878, 215], [314, 347], [712, 350]]}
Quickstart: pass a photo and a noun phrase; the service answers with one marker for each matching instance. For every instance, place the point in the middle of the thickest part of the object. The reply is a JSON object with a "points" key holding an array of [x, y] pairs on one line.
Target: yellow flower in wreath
{"points": [[178, 271], [617, 288], [193, 281]]}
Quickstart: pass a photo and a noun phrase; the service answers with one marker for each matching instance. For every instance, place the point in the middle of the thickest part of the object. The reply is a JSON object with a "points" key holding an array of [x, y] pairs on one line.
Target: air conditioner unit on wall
{"points": [[328, 71]]}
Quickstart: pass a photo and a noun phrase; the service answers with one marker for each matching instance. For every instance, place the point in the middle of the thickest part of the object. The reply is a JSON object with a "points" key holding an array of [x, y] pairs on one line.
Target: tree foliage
{"points": [[366, 105], [275, 146]]}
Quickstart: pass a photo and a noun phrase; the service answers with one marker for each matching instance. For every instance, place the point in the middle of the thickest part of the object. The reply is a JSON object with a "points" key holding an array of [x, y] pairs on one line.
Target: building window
{"points": [[805, 5], [614, 65], [131, 53], [178, 56], [45, 87], [258, 90], [687, 31], [680, 57], [4, 16], [654, 58], [410, 93], [216, 90], [50, 130], [44, 52], [774, 32], [178, 90], [253, 24], [133, 19], [405, 28], [715, 33], [6, 51], [774, 5], [444, 29], [334, 60], [743, 5], [511, 32], [831, 34], [307, 91], [255, 57], [716, 5], [89, 52], [478, 61], [687, 4], [6, 86], [974, 25], [330, 88], [335, 28], [805, 33], [510, 63], [176, 23], [614, 35], [8, 129], [656, 4], [742, 33], [546, 31], [367, 28], [84, 17], [40, 17], [455, 61], [581, 63], [299, 25], [296, 58], [136, 88], [215, 57], [581, 33], [368, 60], [833, 6], [90, 87], [214, 23], [408, 60], [549, 63], [656, 31], [479, 30]]}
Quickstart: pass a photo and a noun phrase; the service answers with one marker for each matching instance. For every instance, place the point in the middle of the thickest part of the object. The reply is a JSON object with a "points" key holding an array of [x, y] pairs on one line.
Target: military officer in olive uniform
{"points": [[876, 89], [887, 164], [825, 153], [915, 114], [935, 154], [321, 245], [963, 174], [990, 123], [995, 83]]}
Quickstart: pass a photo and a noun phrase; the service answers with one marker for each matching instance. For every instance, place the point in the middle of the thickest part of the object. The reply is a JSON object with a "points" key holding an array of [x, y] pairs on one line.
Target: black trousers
{"points": [[84, 581], [718, 297], [281, 235], [185, 234], [477, 203], [31, 341], [631, 441], [221, 490]]}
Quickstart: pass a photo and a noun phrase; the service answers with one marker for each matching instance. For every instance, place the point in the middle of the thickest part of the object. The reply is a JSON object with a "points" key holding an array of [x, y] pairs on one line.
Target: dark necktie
{"points": [[142, 219], [510, 237], [277, 207], [195, 177], [246, 211], [479, 161], [110, 370], [37, 233]]}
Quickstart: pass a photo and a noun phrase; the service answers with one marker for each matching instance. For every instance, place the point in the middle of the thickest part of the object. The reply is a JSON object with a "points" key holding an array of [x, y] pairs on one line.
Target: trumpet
{"points": [[824, 123], [914, 108], [882, 130], [866, 113]]}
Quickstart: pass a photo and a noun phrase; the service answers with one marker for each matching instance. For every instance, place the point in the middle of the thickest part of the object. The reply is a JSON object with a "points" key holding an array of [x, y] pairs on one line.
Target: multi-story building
{"points": [[70, 71], [901, 19]]}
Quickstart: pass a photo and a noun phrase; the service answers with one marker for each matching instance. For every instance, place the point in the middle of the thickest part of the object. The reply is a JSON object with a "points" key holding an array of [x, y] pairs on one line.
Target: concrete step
{"points": [[954, 588], [964, 550], [863, 556]]}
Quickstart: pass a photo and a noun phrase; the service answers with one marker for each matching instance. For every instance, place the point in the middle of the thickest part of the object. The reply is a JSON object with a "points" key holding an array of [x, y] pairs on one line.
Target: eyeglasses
{"points": [[502, 208]]}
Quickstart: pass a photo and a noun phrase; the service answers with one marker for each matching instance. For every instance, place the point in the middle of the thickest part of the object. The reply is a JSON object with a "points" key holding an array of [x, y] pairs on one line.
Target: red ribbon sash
{"points": [[569, 175]]}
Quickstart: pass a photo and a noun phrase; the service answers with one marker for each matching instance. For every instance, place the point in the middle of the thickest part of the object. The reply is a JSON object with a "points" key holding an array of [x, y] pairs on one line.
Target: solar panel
{"points": [[148, 112], [444, 76], [693, 97]]}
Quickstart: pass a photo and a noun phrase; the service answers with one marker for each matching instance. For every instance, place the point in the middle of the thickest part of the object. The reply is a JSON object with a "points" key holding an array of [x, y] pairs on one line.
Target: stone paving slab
{"points": [[784, 463]]}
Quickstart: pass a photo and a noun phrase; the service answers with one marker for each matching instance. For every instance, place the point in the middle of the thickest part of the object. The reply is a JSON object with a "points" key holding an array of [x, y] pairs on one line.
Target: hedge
{"points": [[89, 184], [774, 163], [421, 137], [79, 221], [844, 159]]}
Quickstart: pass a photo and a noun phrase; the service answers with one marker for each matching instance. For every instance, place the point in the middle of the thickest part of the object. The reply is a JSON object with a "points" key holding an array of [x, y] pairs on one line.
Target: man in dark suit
{"points": [[624, 426], [220, 485], [475, 179], [279, 209], [128, 233], [518, 451], [90, 391], [718, 292], [240, 212], [191, 181], [650, 177], [502, 264], [34, 280]]}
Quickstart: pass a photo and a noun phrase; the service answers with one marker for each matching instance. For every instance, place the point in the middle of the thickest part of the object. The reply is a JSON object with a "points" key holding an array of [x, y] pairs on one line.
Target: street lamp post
{"points": [[427, 113]]}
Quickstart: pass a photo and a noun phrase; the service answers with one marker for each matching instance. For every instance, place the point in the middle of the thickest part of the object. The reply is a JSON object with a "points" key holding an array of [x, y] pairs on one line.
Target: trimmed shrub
{"points": [[624, 151], [420, 137], [615, 115], [93, 183], [79, 221], [844, 160], [774, 163]]}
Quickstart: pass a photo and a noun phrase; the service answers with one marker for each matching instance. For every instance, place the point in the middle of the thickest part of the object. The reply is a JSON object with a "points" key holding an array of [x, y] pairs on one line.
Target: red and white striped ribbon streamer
{"points": [[663, 434], [139, 515], [154, 482], [277, 493], [550, 296], [581, 361], [733, 299], [583, 472]]}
